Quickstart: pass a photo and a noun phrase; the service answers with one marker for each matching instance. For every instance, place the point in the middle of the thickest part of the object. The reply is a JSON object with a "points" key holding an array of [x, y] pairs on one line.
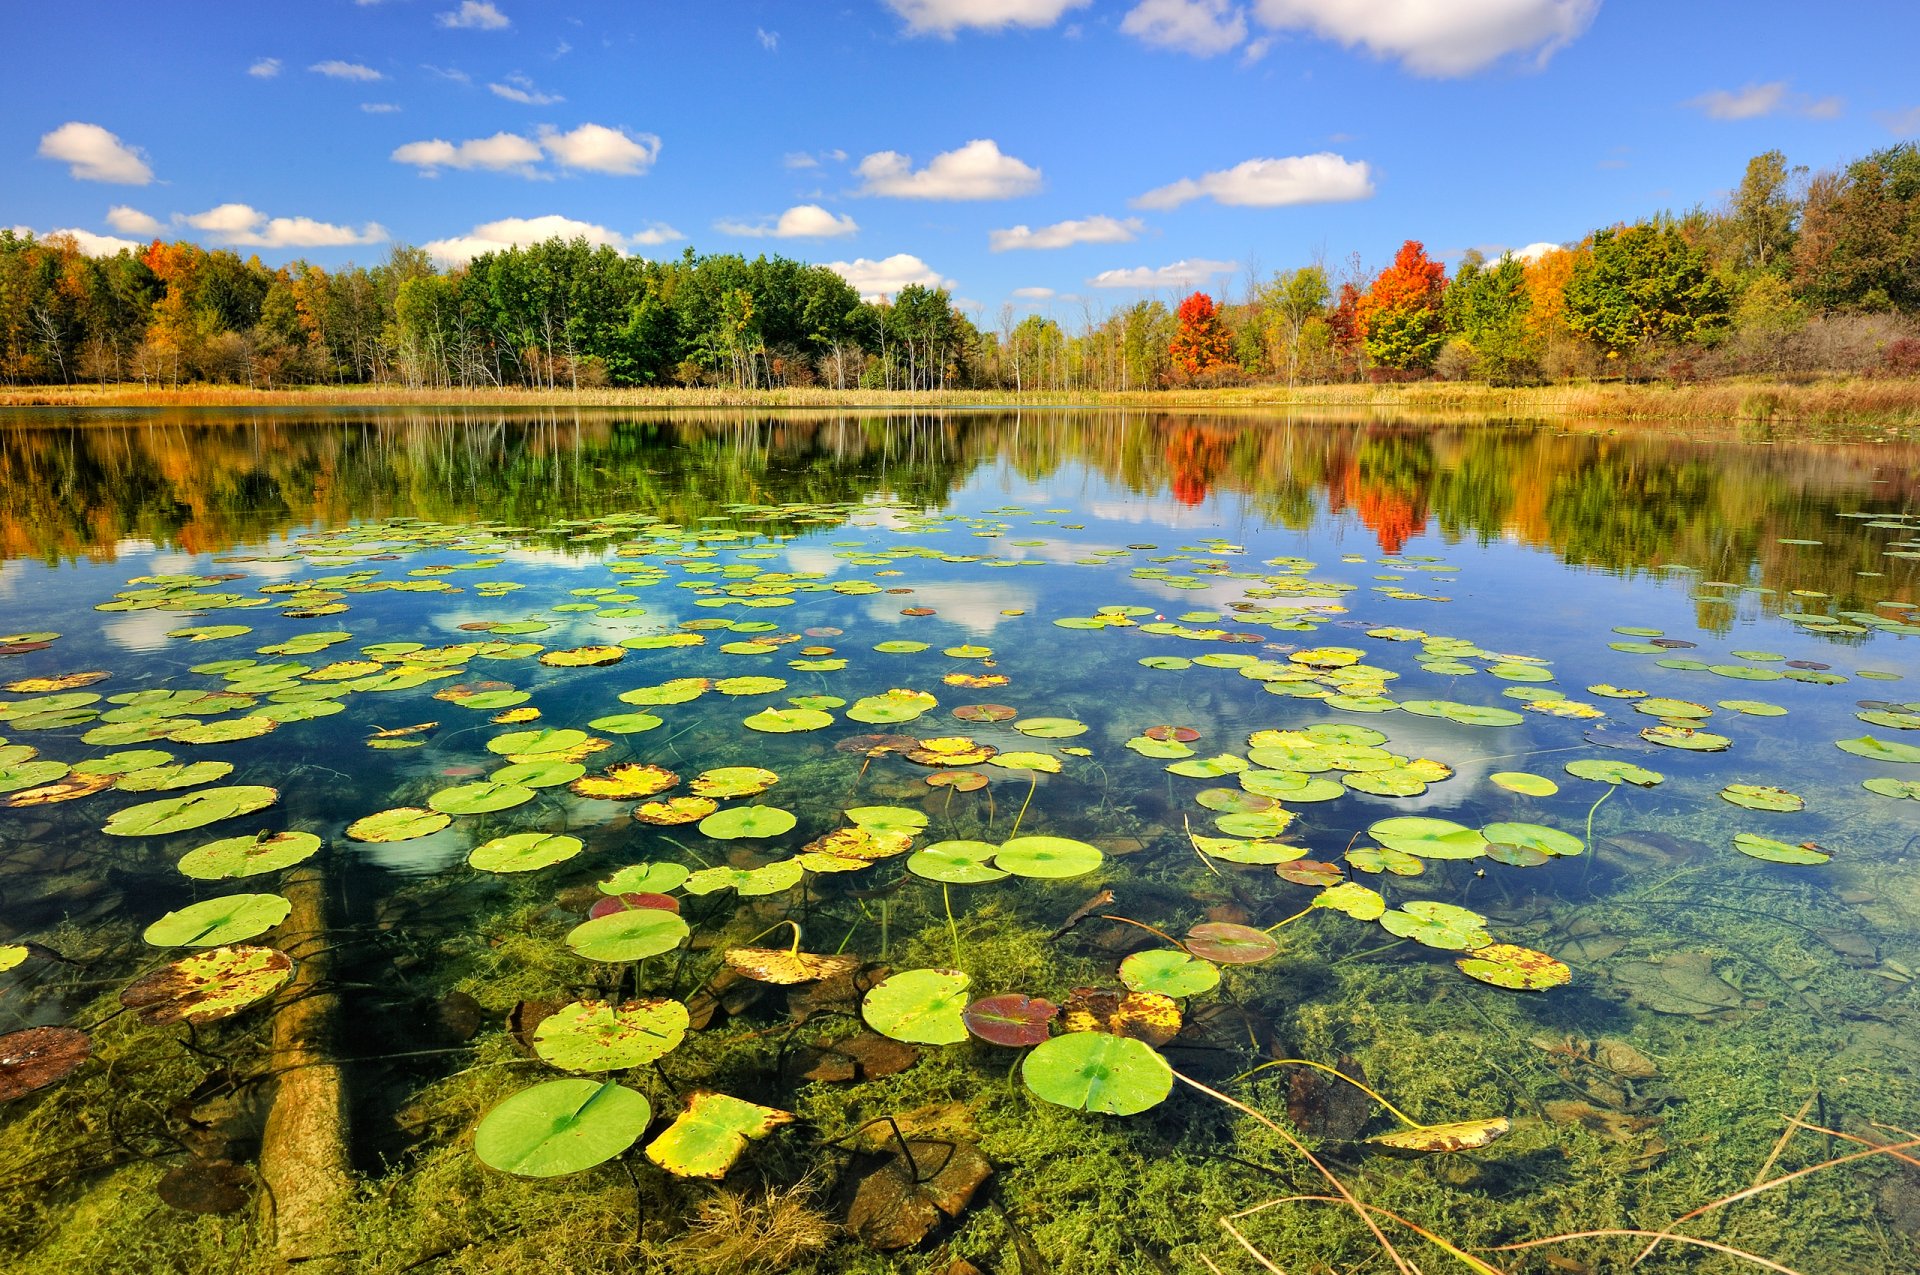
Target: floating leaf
{"points": [[196, 810], [733, 781], [628, 936], [536, 745], [1050, 727], [1779, 851], [1525, 784], [1227, 944], [1310, 872], [1428, 838], [584, 657], [1763, 797], [208, 986], [748, 821], [625, 781], [645, 878], [1378, 859], [1092, 1071], [1049, 858], [711, 1134], [1520, 968], [1011, 1019], [595, 1035], [1879, 749], [1440, 925], [1605, 771], [1533, 836], [921, 1007], [539, 774], [1895, 788], [1694, 741], [402, 823], [956, 863], [1152, 1017], [782, 965], [39, 1056], [1170, 972], [524, 852], [562, 1126], [625, 723], [787, 721], [479, 799], [231, 918], [249, 856], [1360, 902]]}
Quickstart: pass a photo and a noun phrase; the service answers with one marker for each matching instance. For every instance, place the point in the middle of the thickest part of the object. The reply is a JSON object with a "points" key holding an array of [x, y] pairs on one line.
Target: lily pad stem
{"points": [[1398, 1114], [1032, 785]]}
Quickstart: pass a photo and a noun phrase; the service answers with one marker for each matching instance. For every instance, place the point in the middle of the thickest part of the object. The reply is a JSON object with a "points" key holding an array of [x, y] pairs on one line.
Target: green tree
{"points": [[1489, 309], [1641, 284]]}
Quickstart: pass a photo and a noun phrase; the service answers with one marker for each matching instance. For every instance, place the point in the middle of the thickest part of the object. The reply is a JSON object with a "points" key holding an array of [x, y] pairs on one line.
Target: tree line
{"points": [[1793, 274]]}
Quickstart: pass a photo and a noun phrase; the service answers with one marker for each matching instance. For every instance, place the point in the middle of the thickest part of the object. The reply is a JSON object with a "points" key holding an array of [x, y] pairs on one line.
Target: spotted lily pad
{"points": [[40, 1056], [1763, 797], [1440, 925], [249, 856], [728, 782], [208, 986], [921, 1007], [595, 1035], [561, 1126], [402, 823], [1519, 968], [1693, 741], [625, 781]]}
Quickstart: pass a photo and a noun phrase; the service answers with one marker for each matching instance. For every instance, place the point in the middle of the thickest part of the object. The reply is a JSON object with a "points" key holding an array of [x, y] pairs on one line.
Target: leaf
{"points": [[231, 918], [1153, 1017], [1695, 741], [1360, 902], [1170, 972], [1229, 944], [674, 811], [628, 936], [1440, 925], [584, 657], [1048, 858], [594, 1035], [1428, 838], [536, 745], [1520, 968], [1779, 851], [208, 986], [248, 856], [1533, 836], [1462, 1135], [711, 1134], [1092, 1071], [733, 781], [1525, 784], [39, 1056], [1013, 1019], [921, 1007], [1603, 770], [787, 721], [889, 819], [196, 810], [1763, 797], [956, 863], [479, 798], [645, 878], [402, 823], [1880, 749], [524, 852], [625, 723], [748, 821], [625, 781], [780, 965], [562, 1126]]}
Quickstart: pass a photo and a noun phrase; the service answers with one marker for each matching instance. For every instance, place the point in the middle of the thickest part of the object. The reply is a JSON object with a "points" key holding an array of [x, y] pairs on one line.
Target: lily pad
{"points": [[1763, 797], [1440, 925], [231, 918], [711, 1134], [1170, 972], [1360, 902], [1895, 788], [956, 863], [1011, 1019], [1693, 741], [1880, 749], [402, 823], [922, 1007], [595, 1035], [196, 810], [249, 856], [727, 782], [208, 986], [561, 1126], [1462, 1135], [1778, 851], [1520, 968], [1428, 838], [1525, 784], [645, 878], [1533, 836], [524, 852], [628, 936], [1093, 1071], [1607, 771], [1048, 858], [786, 966], [479, 799], [788, 721], [748, 821], [1225, 943]]}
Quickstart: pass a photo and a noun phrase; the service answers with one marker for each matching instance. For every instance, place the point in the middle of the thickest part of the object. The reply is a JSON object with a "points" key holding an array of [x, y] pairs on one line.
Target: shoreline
{"points": [[1880, 402]]}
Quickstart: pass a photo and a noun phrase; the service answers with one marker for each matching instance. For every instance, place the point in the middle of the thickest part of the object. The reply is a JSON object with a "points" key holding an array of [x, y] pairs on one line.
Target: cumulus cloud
{"points": [[92, 154], [131, 221], [976, 171], [803, 221], [89, 244], [944, 17], [519, 88], [1064, 234], [1534, 251], [264, 69], [1320, 178], [240, 225], [1191, 273], [600, 149], [591, 147], [474, 15], [1458, 37], [519, 232], [1756, 101], [884, 278], [338, 70], [1203, 27]]}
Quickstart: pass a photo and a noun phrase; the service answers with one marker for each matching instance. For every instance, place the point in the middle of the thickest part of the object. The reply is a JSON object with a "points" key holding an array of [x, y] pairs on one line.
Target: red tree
{"points": [[1201, 345]]}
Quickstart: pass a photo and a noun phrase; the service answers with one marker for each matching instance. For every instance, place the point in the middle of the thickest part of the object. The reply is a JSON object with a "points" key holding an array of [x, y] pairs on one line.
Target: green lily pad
{"points": [[646, 878], [1050, 727], [31, 774], [1895, 788], [183, 814], [1048, 858], [1778, 851], [1428, 838], [774, 878], [480, 799], [119, 763], [538, 774], [1362, 903], [1241, 850], [727, 782], [1378, 859], [788, 721], [231, 918], [1763, 797], [1693, 741], [1880, 749], [598, 1036], [1520, 969], [1093, 1071], [625, 723], [1465, 714], [249, 856], [562, 1126], [1607, 771], [748, 821], [899, 819], [1440, 925], [1169, 971], [524, 852], [711, 1134], [630, 935], [922, 1007], [956, 863], [1525, 784], [535, 744], [1533, 836], [402, 823]]}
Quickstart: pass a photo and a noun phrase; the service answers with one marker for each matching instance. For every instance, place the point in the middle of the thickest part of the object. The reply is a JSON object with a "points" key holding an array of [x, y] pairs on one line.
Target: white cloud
{"points": [[131, 221], [89, 244], [1901, 123], [1064, 234], [944, 17], [1534, 251], [1033, 294], [883, 278], [769, 40], [600, 149], [1320, 178], [976, 171], [1756, 101], [802, 159], [511, 232], [1457, 37], [803, 221], [380, 108], [1181, 274], [239, 225], [453, 73], [474, 15], [264, 69], [1203, 27], [338, 70], [501, 153], [519, 88], [92, 154]]}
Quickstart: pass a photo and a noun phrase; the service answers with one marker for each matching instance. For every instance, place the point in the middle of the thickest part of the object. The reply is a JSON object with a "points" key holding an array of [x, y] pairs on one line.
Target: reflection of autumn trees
{"points": [[1621, 502]]}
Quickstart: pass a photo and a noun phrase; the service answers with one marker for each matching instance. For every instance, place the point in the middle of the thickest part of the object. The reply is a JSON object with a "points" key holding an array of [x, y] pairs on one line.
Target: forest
{"points": [[1793, 275]]}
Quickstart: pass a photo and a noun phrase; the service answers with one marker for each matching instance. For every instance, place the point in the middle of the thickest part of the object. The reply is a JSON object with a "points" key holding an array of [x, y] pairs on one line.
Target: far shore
{"points": [[1881, 402]]}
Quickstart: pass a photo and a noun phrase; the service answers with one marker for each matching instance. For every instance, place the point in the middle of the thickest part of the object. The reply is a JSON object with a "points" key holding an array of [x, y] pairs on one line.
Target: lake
{"points": [[862, 842]]}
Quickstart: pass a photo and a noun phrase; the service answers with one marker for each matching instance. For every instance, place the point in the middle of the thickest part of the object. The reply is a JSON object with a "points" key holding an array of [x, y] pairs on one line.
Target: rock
{"points": [[461, 1015], [892, 1210], [1681, 983]]}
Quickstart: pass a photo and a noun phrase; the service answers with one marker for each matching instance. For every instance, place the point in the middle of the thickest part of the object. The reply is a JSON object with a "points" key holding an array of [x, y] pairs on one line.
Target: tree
{"points": [[1288, 303], [1763, 212], [1400, 314], [1201, 345], [1641, 284], [1489, 308], [1859, 244]]}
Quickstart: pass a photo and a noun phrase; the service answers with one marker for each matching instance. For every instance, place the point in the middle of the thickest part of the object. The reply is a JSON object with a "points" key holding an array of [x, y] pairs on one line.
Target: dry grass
{"points": [[741, 1232], [1862, 401]]}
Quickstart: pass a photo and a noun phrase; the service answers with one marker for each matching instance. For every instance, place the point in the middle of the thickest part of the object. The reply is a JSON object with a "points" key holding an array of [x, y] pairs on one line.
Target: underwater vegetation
{"points": [[1013, 882]]}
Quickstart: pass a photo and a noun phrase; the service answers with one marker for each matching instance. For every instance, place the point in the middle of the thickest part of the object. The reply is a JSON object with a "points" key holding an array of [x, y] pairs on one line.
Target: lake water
{"points": [[1643, 705]]}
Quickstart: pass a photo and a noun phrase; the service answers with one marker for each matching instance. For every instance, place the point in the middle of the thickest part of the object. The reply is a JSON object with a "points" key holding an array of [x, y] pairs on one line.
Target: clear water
{"points": [[1712, 993]]}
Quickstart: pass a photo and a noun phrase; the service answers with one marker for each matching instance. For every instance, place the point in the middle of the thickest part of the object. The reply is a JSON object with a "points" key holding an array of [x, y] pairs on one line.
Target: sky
{"points": [[1059, 155]]}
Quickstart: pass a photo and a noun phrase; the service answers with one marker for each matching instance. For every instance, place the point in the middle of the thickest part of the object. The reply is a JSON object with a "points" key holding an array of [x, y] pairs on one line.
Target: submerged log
{"points": [[303, 1153]]}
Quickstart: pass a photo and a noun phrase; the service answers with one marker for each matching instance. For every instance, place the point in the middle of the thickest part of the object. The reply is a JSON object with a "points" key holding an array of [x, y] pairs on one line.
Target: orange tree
{"points": [[1400, 313], [1201, 345]]}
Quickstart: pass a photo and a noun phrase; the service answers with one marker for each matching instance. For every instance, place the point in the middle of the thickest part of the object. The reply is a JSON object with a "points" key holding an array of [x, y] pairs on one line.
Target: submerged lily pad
{"points": [[561, 1126], [1462, 1135], [1225, 943], [1093, 1071], [921, 1007], [38, 1057]]}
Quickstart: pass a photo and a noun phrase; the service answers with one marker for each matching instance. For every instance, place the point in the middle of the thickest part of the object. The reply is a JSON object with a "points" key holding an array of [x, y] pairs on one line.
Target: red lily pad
{"points": [[1179, 734], [1229, 944], [1013, 1019], [985, 712], [632, 903], [1310, 872]]}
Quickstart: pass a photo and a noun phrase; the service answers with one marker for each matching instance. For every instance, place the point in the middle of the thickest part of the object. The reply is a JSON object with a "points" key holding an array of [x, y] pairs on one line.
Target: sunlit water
{"points": [[1766, 586]]}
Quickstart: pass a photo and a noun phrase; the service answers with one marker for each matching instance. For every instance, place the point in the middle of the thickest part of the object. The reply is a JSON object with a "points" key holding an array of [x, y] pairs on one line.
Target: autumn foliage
{"points": [[1201, 345], [1400, 314]]}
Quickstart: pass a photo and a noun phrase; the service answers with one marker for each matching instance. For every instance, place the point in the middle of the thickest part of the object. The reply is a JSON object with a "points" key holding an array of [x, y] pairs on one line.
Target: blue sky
{"points": [[1146, 146]]}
